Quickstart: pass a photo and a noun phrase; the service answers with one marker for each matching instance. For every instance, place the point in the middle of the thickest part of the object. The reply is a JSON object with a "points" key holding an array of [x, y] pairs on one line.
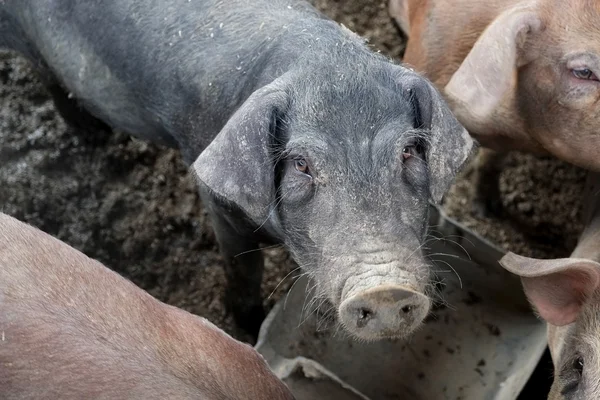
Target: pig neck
{"points": [[300, 44]]}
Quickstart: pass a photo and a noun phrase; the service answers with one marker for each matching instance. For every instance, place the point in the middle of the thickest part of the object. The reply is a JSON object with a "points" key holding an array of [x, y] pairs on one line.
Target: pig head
{"points": [[519, 75], [346, 188], [566, 294]]}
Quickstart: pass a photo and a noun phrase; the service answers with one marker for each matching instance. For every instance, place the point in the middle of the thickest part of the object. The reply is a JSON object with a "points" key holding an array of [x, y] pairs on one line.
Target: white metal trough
{"points": [[483, 345]]}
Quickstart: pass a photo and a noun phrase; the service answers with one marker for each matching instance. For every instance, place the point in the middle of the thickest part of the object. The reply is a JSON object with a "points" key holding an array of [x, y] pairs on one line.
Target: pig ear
{"points": [[556, 288], [398, 10], [488, 71], [449, 145], [238, 164]]}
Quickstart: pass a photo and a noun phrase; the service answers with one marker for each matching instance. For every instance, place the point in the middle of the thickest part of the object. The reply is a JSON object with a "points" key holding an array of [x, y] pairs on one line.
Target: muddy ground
{"points": [[133, 206]]}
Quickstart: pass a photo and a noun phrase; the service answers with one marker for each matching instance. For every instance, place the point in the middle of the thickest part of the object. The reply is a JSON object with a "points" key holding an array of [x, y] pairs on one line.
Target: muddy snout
{"points": [[387, 311]]}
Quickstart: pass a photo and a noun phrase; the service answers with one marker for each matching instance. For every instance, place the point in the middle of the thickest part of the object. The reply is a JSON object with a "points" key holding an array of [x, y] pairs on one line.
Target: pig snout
{"points": [[381, 292], [384, 311]]}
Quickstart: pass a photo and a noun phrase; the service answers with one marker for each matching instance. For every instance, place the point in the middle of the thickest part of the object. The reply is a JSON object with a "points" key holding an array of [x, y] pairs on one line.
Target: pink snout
{"points": [[387, 311]]}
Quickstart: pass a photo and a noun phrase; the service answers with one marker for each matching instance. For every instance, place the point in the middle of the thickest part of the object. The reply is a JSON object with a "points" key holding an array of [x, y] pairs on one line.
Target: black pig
{"points": [[296, 131]]}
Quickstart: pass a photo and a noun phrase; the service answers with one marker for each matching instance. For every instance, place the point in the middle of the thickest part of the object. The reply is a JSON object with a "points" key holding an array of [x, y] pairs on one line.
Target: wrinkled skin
{"points": [[566, 293], [519, 75], [73, 329], [298, 134]]}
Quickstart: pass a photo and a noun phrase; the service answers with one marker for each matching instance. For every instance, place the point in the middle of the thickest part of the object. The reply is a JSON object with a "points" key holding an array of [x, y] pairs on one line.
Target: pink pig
{"points": [[70, 328]]}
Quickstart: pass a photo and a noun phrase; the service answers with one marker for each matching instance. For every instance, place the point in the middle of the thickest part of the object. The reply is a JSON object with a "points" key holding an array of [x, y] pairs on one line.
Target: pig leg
{"points": [[12, 37], [486, 183], [243, 267], [68, 107], [73, 114]]}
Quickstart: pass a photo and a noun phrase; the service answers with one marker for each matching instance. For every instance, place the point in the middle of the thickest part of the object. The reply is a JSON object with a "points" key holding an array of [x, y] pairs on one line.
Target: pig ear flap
{"points": [[398, 10], [557, 288], [238, 165], [448, 144], [488, 72]]}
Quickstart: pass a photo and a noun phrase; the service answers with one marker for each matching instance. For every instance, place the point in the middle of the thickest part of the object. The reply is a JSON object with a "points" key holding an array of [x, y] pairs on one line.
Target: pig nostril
{"points": [[364, 315], [406, 309]]}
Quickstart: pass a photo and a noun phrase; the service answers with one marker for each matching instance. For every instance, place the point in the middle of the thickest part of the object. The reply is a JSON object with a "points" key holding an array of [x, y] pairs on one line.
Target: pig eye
{"points": [[301, 165], [413, 150], [573, 375], [584, 74], [578, 365]]}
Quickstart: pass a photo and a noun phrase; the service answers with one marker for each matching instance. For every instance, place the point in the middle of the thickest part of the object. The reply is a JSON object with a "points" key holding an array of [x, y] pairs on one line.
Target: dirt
{"points": [[133, 206], [541, 198]]}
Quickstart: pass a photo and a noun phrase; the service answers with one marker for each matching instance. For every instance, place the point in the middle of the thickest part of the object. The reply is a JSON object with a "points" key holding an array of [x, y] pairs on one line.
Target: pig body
{"points": [[518, 74], [298, 134], [566, 293], [70, 328]]}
